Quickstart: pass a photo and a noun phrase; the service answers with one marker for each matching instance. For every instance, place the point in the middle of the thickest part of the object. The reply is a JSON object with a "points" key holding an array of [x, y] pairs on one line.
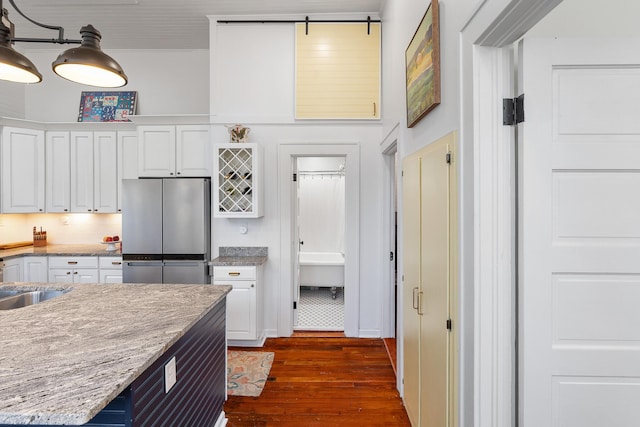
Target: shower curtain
{"points": [[321, 210]]}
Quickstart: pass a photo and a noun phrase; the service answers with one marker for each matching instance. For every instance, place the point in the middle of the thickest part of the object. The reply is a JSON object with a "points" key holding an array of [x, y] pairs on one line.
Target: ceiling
{"points": [[160, 24]]}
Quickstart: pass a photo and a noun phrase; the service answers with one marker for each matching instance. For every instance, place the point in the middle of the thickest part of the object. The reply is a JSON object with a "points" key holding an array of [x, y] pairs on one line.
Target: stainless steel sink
{"points": [[23, 299], [10, 293]]}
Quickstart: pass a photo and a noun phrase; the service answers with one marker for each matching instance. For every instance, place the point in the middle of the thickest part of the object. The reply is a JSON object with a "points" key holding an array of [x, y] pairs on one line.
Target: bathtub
{"points": [[322, 269]]}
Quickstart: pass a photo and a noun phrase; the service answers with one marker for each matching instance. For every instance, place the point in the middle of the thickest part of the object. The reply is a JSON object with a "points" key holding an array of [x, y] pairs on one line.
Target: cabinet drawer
{"points": [[234, 273], [110, 262], [73, 262]]}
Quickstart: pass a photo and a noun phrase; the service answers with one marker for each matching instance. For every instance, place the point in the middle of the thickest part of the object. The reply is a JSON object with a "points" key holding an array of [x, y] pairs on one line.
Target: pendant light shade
{"points": [[14, 66], [88, 64]]}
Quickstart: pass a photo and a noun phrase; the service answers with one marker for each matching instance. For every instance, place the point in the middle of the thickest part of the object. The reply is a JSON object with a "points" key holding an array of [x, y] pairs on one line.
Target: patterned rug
{"points": [[247, 372]]}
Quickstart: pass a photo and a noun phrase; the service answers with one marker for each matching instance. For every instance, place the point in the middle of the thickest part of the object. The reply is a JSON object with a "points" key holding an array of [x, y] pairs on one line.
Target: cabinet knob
{"points": [[170, 173], [253, 286], [95, 210], [72, 262], [75, 272], [177, 173], [234, 273], [68, 272], [88, 210], [40, 209], [66, 210]]}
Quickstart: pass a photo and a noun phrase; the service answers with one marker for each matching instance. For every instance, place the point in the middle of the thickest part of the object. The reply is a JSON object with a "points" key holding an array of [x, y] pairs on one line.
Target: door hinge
{"points": [[449, 324], [295, 305], [448, 158], [295, 177], [513, 110], [390, 256]]}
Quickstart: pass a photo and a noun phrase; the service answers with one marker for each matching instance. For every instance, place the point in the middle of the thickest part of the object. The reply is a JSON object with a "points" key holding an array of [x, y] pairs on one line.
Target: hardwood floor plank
{"points": [[323, 381]]}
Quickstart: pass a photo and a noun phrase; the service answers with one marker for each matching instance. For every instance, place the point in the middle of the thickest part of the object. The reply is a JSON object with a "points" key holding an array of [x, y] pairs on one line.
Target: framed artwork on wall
{"points": [[422, 61], [107, 106]]}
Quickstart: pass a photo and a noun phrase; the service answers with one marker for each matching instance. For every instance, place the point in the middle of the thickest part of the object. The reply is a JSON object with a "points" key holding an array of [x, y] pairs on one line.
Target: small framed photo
{"points": [[422, 60], [107, 106]]}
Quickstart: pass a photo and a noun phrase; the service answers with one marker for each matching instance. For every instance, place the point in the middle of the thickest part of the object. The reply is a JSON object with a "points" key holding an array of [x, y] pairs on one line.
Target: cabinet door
{"points": [[411, 286], [35, 269], [241, 310], [110, 276], [193, 151], [23, 170], [60, 275], [237, 192], [58, 159], [156, 151], [12, 270], [127, 160], [82, 172], [105, 174], [85, 276]]}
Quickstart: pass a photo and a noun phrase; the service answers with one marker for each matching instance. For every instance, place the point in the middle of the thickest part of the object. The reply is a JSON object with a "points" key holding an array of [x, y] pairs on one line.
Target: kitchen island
{"points": [[103, 355]]}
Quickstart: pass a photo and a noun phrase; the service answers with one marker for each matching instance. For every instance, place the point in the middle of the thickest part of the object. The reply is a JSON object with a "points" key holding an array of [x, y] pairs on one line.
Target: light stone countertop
{"points": [[63, 360], [59, 250], [241, 256]]}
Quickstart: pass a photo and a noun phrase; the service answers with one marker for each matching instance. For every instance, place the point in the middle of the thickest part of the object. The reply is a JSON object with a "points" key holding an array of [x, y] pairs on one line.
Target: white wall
{"points": [[167, 81], [252, 83], [590, 18]]}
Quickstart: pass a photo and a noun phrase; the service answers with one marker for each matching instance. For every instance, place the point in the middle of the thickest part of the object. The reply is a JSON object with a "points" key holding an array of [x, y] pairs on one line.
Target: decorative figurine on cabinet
{"points": [[239, 133]]}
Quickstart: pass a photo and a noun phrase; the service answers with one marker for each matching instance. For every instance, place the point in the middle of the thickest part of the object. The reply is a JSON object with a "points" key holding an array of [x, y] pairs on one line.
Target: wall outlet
{"points": [[169, 374]]}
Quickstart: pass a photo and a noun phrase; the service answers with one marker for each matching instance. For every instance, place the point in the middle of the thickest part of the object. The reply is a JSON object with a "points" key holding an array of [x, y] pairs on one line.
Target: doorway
{"points": [[287, 167], [320, 223]]}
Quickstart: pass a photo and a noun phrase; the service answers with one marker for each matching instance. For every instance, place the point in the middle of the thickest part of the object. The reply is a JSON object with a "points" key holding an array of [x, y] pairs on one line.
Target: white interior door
{"points": [[296, 240], [580, 233]]}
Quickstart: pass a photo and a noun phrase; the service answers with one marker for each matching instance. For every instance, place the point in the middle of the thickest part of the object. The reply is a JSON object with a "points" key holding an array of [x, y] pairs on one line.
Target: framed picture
{"points": [[423, 67], [107, 106]]}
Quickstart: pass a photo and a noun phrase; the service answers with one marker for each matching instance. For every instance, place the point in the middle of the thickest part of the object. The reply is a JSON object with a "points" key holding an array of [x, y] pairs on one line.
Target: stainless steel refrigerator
{"points": [[166, 230]]}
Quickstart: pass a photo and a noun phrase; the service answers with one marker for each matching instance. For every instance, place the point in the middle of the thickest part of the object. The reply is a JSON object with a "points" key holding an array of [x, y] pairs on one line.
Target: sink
{"points": [[10, 293], [23, 299]]}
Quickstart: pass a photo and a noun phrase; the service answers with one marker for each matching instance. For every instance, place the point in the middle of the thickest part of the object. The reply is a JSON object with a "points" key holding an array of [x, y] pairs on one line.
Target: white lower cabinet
{"points": [[244, 303], [35, 269], [110, 269], [12, 270], [79, 269]]}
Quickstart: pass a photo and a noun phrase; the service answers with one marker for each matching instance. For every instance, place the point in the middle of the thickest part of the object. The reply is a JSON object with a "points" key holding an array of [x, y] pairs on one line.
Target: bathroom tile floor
{"points": [[318, 311]]}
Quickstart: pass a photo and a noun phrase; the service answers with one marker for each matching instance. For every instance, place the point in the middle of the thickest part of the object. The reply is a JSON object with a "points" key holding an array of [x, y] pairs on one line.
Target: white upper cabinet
{"points": [[127, 159], [105, 172], [94, 173], [174, 151], [23, 170], [237, 189], [58, 174]]}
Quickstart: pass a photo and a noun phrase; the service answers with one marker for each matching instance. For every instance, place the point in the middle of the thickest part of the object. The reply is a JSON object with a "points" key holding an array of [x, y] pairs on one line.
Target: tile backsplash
{"points": [[61, 228]]}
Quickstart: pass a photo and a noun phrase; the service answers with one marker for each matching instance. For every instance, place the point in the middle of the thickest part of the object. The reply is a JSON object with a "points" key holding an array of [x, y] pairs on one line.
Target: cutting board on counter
{"points": [[14, 245]]}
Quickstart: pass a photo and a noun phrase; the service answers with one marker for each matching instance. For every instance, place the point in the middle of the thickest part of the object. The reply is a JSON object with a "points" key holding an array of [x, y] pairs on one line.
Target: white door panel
{"points": [[579, 235]]}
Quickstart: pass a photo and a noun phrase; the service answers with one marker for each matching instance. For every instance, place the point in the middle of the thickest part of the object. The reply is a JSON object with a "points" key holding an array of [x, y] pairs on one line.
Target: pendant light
{"points": [[14, 66], [86, 64], [89, 65]]}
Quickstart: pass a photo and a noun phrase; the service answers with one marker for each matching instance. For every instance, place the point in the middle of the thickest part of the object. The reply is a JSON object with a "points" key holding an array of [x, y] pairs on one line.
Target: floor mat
{"points": [[247, 372]]}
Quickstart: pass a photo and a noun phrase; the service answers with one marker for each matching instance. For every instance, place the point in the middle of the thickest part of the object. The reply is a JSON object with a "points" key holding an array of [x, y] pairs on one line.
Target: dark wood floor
{"points": [[323, 381]]}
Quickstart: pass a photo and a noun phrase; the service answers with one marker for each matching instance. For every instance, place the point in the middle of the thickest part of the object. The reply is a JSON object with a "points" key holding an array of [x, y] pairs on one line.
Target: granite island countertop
{"points": [[59, 250], [63, 360]]}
